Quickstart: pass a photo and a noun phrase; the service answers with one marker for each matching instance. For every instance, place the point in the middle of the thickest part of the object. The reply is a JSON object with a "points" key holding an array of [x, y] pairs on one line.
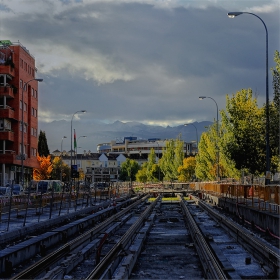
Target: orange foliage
{"points": [[45, 169]]}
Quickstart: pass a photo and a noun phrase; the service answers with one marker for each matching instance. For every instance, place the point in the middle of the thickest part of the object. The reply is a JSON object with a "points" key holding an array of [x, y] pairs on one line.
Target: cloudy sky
{"points": [[142, 60]]}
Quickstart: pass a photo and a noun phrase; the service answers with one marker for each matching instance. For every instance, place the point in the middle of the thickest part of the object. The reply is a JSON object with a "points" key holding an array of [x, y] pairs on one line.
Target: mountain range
{"points": [[97, 133]]}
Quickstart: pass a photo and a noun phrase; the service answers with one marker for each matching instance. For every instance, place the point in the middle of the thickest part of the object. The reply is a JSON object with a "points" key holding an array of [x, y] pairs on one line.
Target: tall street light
{"points": [[196, 133], [61, 157], [82, 111], [218, 160], [22, 156], [267, 177]]}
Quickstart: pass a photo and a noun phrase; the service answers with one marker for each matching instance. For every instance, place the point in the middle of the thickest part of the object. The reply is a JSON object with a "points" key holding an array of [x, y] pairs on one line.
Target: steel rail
{"points": [[122, 245], [36, 269], [252, 241], [211, 266]]}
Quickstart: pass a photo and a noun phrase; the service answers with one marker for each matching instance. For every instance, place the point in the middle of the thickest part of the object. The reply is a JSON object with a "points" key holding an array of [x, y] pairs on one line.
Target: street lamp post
{"points": [[22, 157], [195, 131], [218, 160], [82, 111], [267, 177], [61, 158]]}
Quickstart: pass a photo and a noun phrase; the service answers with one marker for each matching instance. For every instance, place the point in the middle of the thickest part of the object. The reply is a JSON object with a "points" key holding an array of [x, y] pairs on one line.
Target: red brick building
{"points": [[17, 83]]}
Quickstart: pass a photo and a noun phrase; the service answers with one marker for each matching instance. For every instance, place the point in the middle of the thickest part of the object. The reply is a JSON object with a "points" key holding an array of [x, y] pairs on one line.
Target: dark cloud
{"points": [[138, 62]]}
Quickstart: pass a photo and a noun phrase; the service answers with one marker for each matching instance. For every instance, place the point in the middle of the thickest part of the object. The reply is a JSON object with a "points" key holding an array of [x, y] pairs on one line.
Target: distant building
{"points": [[96, 167], [132, 145], [17, 69]]}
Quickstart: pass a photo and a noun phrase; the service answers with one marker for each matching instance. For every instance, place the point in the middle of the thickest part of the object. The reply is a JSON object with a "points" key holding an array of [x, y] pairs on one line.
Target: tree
{"points": [[206, 159], [244, 130], [187, 170], [45, 169], [150, 165], [43, 149], [129, 169], [60, 168], [141, 175], [172, 158]]}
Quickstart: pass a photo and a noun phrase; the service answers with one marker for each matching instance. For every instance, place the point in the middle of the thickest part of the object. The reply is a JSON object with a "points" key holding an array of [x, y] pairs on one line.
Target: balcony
{"points": [[7, 135], [7, 112], [6, 91], [7, 69], [8, 157]]}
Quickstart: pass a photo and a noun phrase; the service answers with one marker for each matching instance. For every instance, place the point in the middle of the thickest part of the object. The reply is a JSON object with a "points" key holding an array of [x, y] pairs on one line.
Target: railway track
{"points": [[158, 240]]}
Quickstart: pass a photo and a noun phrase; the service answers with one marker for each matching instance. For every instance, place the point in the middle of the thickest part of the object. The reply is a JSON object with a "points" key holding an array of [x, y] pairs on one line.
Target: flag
{"points": [[75, 142]]}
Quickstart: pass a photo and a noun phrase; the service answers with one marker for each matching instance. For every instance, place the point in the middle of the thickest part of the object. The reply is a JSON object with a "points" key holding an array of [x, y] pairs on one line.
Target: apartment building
{"points": [[18, 113]]}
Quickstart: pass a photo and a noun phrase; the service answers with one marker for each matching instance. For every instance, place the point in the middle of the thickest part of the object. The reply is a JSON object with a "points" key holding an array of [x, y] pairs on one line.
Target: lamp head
{"points": [[39, 80], [186, 124], [234, 14], [83, 111], [202, 97], [64, 136]]}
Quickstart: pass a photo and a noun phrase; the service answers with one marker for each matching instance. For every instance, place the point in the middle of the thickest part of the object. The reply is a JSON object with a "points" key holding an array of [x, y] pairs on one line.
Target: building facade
{"points": [[132, 145], [96, 167], [18, 113]]}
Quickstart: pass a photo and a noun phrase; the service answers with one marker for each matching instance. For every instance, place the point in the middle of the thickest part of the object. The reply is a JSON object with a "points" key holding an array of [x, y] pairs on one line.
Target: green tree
{"points": [[172, 158], [150, 164], [129, 169], [141, 175], [43, 149], [206, 159], [243, 124]]}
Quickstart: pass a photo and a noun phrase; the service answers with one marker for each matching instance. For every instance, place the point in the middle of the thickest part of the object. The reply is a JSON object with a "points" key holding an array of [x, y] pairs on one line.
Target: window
{"points": [[34, 152], [25, 107], [20, 83], [32, 91], [20, 104], [35, 132], [32, 131], [35, 93], [21, 63], [35, 113]]}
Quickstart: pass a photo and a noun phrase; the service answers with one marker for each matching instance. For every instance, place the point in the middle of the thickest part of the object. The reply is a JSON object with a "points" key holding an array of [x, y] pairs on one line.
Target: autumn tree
{"points": [[60, 169], [45, 169], [43, 149], [187, 170]]}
